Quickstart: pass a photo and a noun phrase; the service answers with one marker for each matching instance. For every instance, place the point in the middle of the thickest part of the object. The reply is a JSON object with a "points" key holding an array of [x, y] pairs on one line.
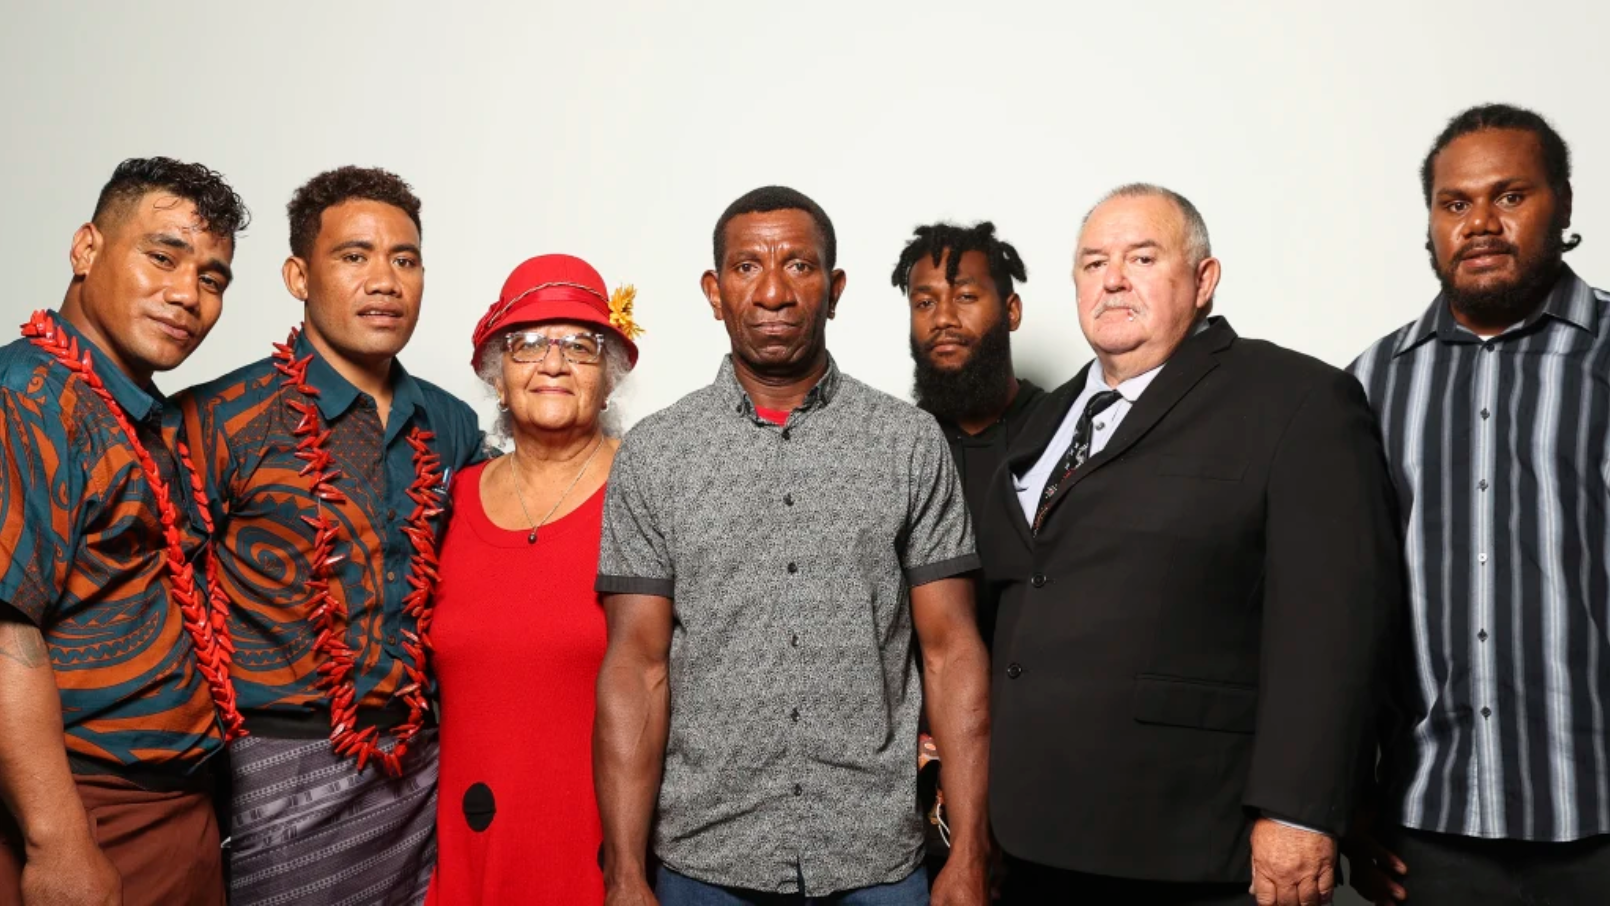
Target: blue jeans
{"points": [[673, 889]]}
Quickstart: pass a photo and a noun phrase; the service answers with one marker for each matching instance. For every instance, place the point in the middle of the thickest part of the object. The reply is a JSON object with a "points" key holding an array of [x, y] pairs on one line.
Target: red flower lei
{"points": [[330, 612], [204, 614]]}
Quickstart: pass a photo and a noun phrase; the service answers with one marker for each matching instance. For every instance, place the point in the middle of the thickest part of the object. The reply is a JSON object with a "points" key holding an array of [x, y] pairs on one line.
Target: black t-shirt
{"points": [[977, 457]]}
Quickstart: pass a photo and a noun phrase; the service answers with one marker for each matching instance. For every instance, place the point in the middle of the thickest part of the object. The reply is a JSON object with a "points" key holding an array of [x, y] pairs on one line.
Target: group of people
{"points": [[1181, 631]]}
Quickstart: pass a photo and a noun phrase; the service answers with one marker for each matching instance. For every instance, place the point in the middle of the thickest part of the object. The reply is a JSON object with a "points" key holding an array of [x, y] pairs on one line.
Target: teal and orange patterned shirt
{"points": [[82, 555], [242, 439]]}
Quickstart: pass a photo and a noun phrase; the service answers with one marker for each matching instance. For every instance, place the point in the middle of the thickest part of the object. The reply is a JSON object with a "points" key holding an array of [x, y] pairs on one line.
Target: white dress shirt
{"points": [[1030, 484]]}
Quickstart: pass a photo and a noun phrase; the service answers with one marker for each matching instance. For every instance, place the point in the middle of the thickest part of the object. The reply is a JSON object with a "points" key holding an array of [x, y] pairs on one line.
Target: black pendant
{"points": [[531, 538]]}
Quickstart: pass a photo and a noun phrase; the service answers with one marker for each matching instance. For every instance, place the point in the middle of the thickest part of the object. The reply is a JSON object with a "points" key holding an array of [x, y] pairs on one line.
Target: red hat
{"points": [[559, 288]]}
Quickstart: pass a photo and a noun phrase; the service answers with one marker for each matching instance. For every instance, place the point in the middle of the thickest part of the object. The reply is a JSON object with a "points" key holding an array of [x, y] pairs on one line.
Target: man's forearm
{"points": [[629, 736], [956, 682], [35, 781]]}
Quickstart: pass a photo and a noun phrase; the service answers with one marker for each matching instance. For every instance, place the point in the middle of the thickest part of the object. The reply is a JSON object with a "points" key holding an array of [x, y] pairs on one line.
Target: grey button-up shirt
{"points": [[789, 552]]}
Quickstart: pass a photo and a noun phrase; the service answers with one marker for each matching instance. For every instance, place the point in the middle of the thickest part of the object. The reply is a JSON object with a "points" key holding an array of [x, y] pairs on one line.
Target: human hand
{"points": [[72, 872], [962, 882], [1291, 866], [1376, 870], [632, 892]]}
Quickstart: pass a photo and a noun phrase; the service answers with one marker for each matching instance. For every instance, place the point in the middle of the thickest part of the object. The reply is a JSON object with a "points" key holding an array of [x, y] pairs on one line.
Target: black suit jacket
{"points": [[1193, 638]]}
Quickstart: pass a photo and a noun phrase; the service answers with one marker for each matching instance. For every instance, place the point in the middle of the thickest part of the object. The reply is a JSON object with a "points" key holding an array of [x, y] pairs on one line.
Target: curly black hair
{"points": [[933, 240], [333, 187], [777, 198], [1556, 154], [220, 210]]}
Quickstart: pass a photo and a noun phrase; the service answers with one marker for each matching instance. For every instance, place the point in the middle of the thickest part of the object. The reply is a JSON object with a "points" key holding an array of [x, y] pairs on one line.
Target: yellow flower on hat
{"points": [[620, 311]]}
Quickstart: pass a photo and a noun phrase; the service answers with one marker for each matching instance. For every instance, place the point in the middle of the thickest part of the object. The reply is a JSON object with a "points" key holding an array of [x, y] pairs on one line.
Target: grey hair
{"points": [[1197, 246], [616, 367]]}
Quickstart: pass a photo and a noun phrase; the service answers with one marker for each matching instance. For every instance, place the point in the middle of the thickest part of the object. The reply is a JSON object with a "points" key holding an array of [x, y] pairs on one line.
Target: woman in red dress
{"points": [[519, 633]]}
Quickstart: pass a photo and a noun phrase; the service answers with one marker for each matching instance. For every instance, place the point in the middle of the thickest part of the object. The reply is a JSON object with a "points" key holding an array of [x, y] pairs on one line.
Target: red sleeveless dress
{"points": [[519, 636]]}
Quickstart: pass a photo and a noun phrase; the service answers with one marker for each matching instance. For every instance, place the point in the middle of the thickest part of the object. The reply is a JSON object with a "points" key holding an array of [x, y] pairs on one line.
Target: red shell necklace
{"points": [[337, 659], [204, 614]]}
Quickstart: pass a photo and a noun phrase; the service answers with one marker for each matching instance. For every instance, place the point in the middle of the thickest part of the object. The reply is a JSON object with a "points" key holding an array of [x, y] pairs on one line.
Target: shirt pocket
{"points": [[1174, 701]]}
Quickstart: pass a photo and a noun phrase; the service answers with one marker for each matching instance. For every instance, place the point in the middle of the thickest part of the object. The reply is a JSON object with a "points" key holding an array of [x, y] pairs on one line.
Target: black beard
{"points": [[978, 389], [1512, 303]]}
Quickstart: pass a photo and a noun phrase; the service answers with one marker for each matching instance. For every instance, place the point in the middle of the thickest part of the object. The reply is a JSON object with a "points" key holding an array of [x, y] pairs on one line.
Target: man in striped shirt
{"points": [[1495, 406]]}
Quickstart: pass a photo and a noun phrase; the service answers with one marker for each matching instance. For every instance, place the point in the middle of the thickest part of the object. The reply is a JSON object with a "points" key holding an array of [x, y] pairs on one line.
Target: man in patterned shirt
{"points": [[104, 626], [774, 547], [327, 464]]}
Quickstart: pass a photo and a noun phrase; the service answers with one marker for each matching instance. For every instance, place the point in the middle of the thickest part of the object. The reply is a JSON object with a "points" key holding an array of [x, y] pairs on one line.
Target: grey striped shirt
{"points": [[1498, 450]]}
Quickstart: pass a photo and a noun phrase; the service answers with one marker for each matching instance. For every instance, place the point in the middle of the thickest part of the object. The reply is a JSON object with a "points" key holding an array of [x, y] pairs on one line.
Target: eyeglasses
{"points": [[531, 346]]}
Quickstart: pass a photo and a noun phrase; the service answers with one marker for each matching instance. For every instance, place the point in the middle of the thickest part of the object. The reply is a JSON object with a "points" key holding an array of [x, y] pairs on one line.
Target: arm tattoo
{"points": [[22, 643]]}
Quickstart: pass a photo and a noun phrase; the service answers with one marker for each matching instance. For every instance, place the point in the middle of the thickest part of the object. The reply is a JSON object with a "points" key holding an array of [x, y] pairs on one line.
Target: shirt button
{"points": [[1038, 581], [391, 515], [391, 576], [391, 638], [785, 434], [1486, 347], [793, 567], [799, 790], [788, 500], [1482, 484], [1481, 558], [1014, 670], [1482, 636], [794, 715], [1486, 711], [1485, 413]]}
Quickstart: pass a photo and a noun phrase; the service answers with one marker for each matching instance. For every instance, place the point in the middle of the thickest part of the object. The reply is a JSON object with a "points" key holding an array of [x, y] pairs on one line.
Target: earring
{"points": [[503, 406]]}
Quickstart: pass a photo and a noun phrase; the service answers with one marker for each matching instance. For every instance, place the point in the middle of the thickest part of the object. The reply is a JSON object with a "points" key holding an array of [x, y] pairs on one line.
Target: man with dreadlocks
{"points": [[329, 464], [964, 308], [111, 659]]}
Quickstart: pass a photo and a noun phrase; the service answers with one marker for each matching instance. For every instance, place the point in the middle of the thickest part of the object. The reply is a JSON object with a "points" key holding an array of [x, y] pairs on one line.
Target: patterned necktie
{"points": [[1078, 451]]}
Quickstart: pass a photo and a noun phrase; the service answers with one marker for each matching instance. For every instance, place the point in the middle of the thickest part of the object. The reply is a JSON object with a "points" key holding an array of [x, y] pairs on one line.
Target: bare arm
{"points": [[629, 734], [956, 689], [63, 863]]}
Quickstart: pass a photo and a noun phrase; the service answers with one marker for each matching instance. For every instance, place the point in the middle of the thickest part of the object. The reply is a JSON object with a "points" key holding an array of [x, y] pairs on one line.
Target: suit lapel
{"points": [[1196, 357], [1026, 448]]}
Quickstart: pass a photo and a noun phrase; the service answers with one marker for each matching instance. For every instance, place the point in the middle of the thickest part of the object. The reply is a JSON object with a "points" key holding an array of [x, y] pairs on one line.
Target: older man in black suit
{"points": [[1195, 546]]}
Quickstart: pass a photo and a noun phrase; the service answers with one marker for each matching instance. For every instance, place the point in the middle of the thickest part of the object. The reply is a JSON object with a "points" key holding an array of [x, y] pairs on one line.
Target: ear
{"points": [[711, 284], [1014, 311], [295, 274], [834, 292], [1207, 280], [87, 243]]}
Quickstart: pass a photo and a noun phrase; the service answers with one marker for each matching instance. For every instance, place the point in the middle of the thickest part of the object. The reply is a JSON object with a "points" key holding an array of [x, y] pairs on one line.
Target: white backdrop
{"points": [[619, 131]]}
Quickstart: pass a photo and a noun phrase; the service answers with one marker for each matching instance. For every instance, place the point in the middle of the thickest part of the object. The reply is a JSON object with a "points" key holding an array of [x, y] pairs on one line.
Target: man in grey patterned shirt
{"points": [[775, 546]]}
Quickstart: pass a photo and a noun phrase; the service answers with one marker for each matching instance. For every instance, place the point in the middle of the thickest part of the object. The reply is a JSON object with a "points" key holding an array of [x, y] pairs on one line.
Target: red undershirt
{"points": [[775, 416]]}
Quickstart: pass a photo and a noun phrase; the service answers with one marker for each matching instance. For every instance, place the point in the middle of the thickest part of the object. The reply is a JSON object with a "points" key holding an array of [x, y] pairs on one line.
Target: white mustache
{"points": [[1124, 302]]}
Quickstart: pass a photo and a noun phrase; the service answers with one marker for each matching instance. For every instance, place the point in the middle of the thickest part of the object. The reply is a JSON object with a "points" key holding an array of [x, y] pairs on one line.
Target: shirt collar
{"points": [[735, 396], [1130, 390], [139, 402], [1571, 300], [337, 394]]}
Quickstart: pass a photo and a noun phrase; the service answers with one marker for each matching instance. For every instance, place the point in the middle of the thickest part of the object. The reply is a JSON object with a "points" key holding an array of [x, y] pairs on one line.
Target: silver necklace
{"points": [[532, 538]]}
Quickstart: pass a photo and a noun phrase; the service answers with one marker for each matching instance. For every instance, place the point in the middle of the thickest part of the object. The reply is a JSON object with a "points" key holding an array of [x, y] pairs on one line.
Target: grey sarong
{"points": [[307, 829]]}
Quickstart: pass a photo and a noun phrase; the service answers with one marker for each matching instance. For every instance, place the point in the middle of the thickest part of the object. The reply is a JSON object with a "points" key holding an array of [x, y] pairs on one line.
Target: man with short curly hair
{"points": [[109, 666], [326, 464]]}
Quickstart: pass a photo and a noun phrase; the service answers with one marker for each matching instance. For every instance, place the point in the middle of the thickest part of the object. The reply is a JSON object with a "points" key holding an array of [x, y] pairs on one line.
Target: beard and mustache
{"points": [[1504, 304], [979, 387]]}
